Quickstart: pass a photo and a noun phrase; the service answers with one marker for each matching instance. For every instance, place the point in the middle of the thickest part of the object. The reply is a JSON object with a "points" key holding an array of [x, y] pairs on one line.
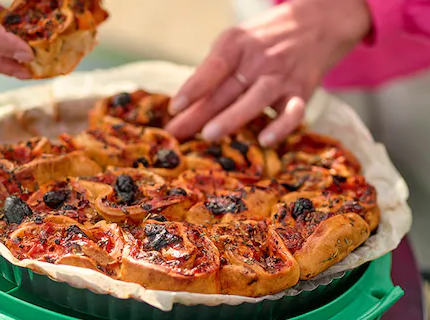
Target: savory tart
{"points": [[127, 199]]}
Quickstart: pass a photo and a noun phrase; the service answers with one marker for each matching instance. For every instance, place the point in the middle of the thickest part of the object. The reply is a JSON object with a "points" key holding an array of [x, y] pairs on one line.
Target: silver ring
{"points": [[241, 78]]}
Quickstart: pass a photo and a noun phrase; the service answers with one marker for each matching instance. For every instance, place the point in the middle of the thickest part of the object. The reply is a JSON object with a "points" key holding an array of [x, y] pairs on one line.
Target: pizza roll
{"points": [[254, 260], [316, 230], [333, 240], [125, 145], [243, 159], [173, 256], [38, 161], [304, 147], [207, 182], [61, 240], [249, 202], [139, 108], [314, 178], [332, 202], [60, 33], [67, 197], [132, 197]]}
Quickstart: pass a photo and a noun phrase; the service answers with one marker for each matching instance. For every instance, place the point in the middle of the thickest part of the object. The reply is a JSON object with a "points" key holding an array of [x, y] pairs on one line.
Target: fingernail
{"points": [[22, 74], [23, 56], [211, 132], [178, 104], [267, 139]]}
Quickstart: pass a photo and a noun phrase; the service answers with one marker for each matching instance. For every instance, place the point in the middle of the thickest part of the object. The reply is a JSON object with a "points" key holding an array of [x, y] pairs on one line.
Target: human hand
{"points": [[277, 60], [13, 51]]}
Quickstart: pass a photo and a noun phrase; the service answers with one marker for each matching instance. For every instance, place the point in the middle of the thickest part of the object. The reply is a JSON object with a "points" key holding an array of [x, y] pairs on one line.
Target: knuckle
{"points": [[231, 34], [269, 85]]}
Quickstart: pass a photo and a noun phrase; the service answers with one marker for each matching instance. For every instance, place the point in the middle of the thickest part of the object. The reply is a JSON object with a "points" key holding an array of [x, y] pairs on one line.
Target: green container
{"points": [[364, 293]]}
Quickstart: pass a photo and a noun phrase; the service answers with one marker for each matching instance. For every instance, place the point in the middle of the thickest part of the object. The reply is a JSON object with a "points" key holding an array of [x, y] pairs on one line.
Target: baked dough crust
{"points": [[181, 259], [68, 32]]}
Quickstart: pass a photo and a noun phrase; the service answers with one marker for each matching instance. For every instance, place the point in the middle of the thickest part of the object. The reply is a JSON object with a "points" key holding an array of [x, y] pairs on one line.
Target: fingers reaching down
{"points": [[287, 120]]}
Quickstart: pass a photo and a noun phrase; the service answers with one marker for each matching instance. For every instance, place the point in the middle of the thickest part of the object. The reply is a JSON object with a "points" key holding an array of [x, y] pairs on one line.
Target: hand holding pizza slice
{"points": [[60, 32]]}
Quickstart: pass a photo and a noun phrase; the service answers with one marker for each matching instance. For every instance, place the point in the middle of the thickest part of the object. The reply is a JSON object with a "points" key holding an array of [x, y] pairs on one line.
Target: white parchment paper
{"points": [[62, 105]]}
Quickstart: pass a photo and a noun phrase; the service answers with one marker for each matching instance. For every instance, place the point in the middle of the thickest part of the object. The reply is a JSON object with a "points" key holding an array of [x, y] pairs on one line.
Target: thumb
{"points": [[14, 47]]}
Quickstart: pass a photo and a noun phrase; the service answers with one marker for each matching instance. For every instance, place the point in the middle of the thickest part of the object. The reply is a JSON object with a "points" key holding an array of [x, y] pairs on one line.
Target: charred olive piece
{"points": [[125, 188], [55, 198], [158, 217], [291, 187], [225, 204], [74, 229], [159, 237], [241, 147], [227, 163], [121, 100], [302, 206], [142, 161], [167, 159], [12, 19], [214, 151], [177, 192], [337, 180], [16, 209]]}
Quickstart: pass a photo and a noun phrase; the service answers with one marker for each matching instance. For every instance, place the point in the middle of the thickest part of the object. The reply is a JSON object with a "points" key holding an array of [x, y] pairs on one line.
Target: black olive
{"points": [[159, 237], [11, 19], [167, 159], [118, 126], [241, 147], [302, 206], [146, 206], [225, 204], [121, 100], [125, 188], [55, 199], [177, 192], [139, 161], [15, 209], [38, 220], [227, 164], [69, 207], [214, 151], [74, 229], [337, 180], [158, 217], [291, 187]]}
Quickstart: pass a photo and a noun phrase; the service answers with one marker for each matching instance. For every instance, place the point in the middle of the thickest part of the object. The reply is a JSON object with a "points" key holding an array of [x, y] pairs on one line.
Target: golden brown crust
{"points": [[254, 260], [331, 242], [59, 36], [42, 170]]}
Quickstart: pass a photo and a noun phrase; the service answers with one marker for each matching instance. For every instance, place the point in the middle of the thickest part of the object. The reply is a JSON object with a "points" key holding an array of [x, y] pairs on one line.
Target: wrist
{"points": [[344, 21]]}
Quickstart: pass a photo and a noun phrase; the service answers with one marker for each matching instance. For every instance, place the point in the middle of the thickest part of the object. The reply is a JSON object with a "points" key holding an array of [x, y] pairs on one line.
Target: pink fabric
{"points": [[399, 46]]}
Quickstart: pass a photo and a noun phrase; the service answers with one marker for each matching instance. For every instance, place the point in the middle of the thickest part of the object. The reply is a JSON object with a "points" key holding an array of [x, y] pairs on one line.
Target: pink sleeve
{"points": [[393, 17], [398, 46]]}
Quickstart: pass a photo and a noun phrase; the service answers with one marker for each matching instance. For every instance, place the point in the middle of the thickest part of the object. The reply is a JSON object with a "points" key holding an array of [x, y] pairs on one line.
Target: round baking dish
{"points": [[364, 293]]}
